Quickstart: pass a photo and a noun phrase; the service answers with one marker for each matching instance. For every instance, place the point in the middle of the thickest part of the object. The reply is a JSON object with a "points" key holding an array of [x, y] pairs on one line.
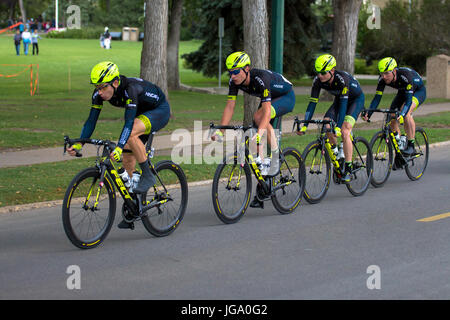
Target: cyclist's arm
{"points": [[378, 95], [89, 125], [228, 112], [314, 98], [409, 94], [130, 114]]}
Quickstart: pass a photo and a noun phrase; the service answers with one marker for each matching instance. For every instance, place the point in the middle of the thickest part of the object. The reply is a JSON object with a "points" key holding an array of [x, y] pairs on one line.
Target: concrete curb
{"points": [[49, 204]]}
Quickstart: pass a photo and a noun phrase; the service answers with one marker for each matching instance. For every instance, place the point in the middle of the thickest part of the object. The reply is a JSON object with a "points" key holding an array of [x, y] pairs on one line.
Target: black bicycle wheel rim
{"points": [[318, 172], [383, 156], [87, 228], [292, 170], [166, 218], [231, 191]]}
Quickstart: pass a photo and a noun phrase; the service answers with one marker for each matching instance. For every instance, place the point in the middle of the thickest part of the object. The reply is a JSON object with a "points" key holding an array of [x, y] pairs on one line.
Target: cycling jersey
{"points": [[408, 82], [264, 84], [137, 96], [344, 87]]}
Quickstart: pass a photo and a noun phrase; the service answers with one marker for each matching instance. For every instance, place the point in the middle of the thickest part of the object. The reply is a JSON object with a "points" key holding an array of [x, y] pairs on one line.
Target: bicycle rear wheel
{"points": [[231, 190], [290, 182], [163, 219], [417, 163], [318, 172], [362, 164], [88, 210], [383, 158]]}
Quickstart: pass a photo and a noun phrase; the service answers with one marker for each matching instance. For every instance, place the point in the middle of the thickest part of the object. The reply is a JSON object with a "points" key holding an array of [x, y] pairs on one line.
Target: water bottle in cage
{"points": [[125, 177], [135, 180]]}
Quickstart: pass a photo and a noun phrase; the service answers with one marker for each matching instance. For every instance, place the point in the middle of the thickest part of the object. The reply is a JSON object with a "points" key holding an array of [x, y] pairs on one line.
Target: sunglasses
{"points": [[102, 86], [322, 72], [234, 72]]}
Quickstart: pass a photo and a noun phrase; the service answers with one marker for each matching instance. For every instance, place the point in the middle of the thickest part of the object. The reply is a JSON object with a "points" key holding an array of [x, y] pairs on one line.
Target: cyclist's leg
{"points": [[353, 110], [410, 125], [152, 121], [280, 106], [396, 104], [332, 114]]}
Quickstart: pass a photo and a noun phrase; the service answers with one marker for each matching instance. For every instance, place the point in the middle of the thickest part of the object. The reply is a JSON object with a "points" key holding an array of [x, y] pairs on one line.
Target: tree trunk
{"points": [[256, 44], [173, 76], [154, 48], [22, 11], [345, 30]]}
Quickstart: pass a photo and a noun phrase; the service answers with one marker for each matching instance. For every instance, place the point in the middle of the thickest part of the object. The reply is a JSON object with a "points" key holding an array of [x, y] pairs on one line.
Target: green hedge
{"points": [[83, 33]]}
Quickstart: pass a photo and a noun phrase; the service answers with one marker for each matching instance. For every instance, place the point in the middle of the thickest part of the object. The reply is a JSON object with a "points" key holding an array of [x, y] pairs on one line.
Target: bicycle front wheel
{"points": [[362, 164], [417, 163], [383, 156], [290, 182], [171, 190], [318, 172], [231, 190], [88, 209]]}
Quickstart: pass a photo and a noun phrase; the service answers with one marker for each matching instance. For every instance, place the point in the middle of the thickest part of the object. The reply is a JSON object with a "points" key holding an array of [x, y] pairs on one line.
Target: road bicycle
{"points": [[89, 205], [320, 159], [384, 146], [232, 184]]}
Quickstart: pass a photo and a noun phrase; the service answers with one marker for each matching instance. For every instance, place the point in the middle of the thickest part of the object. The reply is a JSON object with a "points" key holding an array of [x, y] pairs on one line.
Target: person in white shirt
{"points": [[26, 37]]}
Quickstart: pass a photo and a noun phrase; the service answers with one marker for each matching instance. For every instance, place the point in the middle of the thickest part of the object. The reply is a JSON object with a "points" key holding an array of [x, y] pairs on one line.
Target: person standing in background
{"points": [[26, 37], [17, 39], [107, 39], [34, 41]]}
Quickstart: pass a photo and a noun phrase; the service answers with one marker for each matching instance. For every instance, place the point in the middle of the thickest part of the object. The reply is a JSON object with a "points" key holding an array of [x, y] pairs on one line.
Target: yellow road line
{"points": [[436, 217]]}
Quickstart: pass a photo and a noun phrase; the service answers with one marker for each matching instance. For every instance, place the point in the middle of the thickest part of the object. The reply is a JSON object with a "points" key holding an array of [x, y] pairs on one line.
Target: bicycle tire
{"points": [[165, 218], [382, 151], [319, 158], [74, 207], [228, 182], [362, 167], [288, 167], [422, 146]]}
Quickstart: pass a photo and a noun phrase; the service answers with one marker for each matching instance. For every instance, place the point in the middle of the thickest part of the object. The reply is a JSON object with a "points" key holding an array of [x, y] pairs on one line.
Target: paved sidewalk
{"points": [[160, 142]]}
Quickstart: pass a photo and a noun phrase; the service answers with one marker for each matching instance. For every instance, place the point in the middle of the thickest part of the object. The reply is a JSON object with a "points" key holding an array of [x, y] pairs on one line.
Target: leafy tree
{"points": [[301, 36], [408, 33]]}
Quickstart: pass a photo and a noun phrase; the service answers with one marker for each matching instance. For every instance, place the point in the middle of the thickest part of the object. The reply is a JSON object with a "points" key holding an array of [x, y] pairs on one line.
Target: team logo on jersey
{"points": [[266, 93], [345, 90], [408, 87]]}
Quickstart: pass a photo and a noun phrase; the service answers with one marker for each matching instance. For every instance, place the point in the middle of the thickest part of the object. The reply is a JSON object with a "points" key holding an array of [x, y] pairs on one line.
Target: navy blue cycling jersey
{"points": [[344, 86], [407, 82], [264, 84], [135, 95]]}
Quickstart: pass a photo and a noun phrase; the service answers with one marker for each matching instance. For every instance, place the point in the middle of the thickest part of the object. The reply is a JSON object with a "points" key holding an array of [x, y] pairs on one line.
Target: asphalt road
{"points": [[337, 249]]}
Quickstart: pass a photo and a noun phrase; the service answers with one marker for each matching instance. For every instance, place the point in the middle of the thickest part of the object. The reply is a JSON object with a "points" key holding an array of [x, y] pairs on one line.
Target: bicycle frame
{"points": [[107, 169], [251, 161]]}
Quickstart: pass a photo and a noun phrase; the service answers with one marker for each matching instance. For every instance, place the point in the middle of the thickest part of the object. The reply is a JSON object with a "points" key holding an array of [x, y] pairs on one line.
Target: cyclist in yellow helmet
{"points": [[411, 93], [277, 98], [146, 111], [348, 103]]}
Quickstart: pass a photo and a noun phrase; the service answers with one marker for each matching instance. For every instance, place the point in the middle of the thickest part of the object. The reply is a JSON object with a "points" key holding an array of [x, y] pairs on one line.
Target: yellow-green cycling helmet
{"points": [[325, 63], [105, 71], [237, 60], [387, 64]]}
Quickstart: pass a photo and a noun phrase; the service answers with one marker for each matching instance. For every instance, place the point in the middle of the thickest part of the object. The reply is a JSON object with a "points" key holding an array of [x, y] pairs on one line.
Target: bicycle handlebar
{"points": [[107, 143], [318, 121], [241, 127], [386, 111]]}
